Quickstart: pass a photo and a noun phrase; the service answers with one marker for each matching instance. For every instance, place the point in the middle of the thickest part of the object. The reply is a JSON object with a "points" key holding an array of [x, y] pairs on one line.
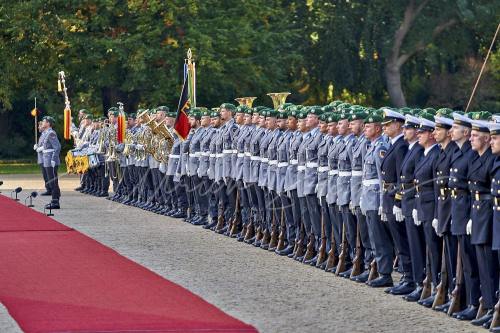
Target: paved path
{"points": [[273, 293]]}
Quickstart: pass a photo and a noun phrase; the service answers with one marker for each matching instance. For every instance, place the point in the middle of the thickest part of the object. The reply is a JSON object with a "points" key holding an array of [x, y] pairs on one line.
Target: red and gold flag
{"points": [[122, 127], [67, 123]]}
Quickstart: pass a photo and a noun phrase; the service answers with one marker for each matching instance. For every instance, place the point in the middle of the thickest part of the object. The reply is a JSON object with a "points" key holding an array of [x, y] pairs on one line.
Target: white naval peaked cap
{"points": [[481, 125], [461, 119], [443, 121], [391, 115]]}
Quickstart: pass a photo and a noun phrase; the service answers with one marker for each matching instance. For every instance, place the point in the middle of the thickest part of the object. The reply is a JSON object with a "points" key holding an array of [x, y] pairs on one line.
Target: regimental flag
{"points": [[67, 123], [181, 125], [122, 127]]}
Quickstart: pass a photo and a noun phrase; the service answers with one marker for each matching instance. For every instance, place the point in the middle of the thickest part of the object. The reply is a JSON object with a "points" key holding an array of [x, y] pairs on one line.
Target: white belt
{"points": [[227, 151], [323, 168], [212, 155], [294, 162], [358, 173], [248, 154], [255, 158], [368, 182], [264, 160], [333, 172], [196, 154], [273, 162], [48, 151], [205, 154], [219, 155], [312, 164], [241, 155], [174, 156], [301, 168], [344, 173], [282, 164]]}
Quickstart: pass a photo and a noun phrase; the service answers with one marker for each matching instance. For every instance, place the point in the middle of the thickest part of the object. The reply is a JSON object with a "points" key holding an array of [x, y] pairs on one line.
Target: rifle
{"points": [[332, 260], [455, 304], [343, 253], [481, 311], [299, 244], [358, 260], [495, 322], [322, 248], [236, 221], [427, 283], [310, 248], [373, 270], [274, 230], [220, 219], [440, 298], [281, 238]]}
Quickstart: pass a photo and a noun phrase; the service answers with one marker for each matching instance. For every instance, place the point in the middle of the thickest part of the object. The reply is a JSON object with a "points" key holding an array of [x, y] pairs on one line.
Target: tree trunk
{"points": [[394, 88]]}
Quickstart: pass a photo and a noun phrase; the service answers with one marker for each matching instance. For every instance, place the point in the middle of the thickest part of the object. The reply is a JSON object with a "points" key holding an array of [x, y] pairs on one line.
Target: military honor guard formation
{"points": [[351, 190]]}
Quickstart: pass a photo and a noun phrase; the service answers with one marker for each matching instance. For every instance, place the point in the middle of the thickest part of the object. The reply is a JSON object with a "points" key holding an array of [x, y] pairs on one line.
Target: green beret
{"points": [[162, 108], [328, 108], [50, 120], [426, 115], [272, 113], [196, 115], [333, 117], [152, 111], [215, 114], [374, 118], [259, 108], [228, 106], [301, 115], [113, 110], [132, 116], [343, 116], [88, 116], [83, 111], [430, 110], [480, 115], [243, 109], [172, 114], [444, 112], [205, 113], [283, 115], [316, 110], [357, 115], [293, 113]]}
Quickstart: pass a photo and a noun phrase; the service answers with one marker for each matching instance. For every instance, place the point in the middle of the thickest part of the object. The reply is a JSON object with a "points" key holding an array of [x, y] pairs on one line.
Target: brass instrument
{"points": [[156, 138], [246, 101], [278, 99]]}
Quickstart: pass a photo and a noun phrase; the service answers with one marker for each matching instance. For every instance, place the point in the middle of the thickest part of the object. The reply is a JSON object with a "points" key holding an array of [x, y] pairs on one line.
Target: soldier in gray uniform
{"points": [[140, 165], [344, 185], [51, 150], [256, 192], [180, 210], [371, 200], [185, 185], [39, 158], [211, 183], [358, 153]]}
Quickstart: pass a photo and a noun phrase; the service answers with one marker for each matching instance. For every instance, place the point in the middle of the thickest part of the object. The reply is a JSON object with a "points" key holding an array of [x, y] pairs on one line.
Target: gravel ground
{"points": [[273, 293]]}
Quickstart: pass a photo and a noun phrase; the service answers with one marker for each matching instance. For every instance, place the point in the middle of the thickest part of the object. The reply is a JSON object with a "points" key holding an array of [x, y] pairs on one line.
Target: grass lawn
{"points": [[24, 168]]}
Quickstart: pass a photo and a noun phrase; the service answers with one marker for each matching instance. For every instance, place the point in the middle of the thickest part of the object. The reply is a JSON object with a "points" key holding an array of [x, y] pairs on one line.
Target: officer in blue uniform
{"points": [[416, 239], [391, 206], [460, 213], [480, 226], [426, 197]]}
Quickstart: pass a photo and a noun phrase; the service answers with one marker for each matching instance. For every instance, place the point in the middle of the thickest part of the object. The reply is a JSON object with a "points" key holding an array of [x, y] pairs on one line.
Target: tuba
{"points": [[246, 101], [278, 99]]}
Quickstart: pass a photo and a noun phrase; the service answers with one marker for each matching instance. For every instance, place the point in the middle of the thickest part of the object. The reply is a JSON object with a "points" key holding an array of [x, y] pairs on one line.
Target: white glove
{"points": [[39, 149], [380, 211], [383, 217], [53, 164], [352, 208], [398, 213], [35, 147], [140, 147], [468, 228], [435, 224], [416, 221], [316, 188]]}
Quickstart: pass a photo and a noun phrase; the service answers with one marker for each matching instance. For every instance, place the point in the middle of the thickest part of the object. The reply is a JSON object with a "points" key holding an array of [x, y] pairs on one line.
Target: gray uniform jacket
{"points": [[311, 172], [323, 168], [239, 147], [264, 160], [257, 136], [219, 148], [247, 160], [51, 148], [283, 160], [291, 169], [301, 164], [195, 151], [371, 195], [358, 153], [204, 159], [173, 158], [345, 168], [272, 155], [213, 154], [184, 158], [229, 133], [39, 154], [333, 169]]}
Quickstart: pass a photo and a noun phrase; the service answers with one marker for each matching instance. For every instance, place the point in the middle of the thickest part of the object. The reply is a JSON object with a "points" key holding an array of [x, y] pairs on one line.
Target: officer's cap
{"points": [[390, 115], [494, 128], [411, 121], [481, 126], [444, 120], [426, 122]]}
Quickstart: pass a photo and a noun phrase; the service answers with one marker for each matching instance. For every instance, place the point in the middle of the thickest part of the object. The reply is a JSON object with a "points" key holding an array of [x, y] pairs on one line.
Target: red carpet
{"points": [[63, 281]]}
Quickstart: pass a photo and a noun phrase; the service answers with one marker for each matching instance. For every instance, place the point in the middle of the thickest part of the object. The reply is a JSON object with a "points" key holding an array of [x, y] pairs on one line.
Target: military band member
{"points": [[173, 181], [51, 149], [480, 225], [460, 213]]}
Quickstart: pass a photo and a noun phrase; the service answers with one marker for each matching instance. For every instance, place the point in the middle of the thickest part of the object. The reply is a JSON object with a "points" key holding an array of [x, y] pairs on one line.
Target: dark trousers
{"points": [[451, 241], [286, 203], [202, 190], [487, 263], [293, 226], [470, 270], [261, 201], [398, 231], [304, 216], [365, 238], [336, 221], [314, 210], [53, 182], [213, 197], [327, 222], [180, 191], [416, 243], [171, 196], [349, 221], [244, 202], [435, 246], [384, 250]]}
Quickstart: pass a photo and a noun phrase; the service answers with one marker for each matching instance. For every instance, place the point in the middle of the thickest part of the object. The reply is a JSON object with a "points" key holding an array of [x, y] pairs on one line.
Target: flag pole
{"points": [[36, 123]]}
